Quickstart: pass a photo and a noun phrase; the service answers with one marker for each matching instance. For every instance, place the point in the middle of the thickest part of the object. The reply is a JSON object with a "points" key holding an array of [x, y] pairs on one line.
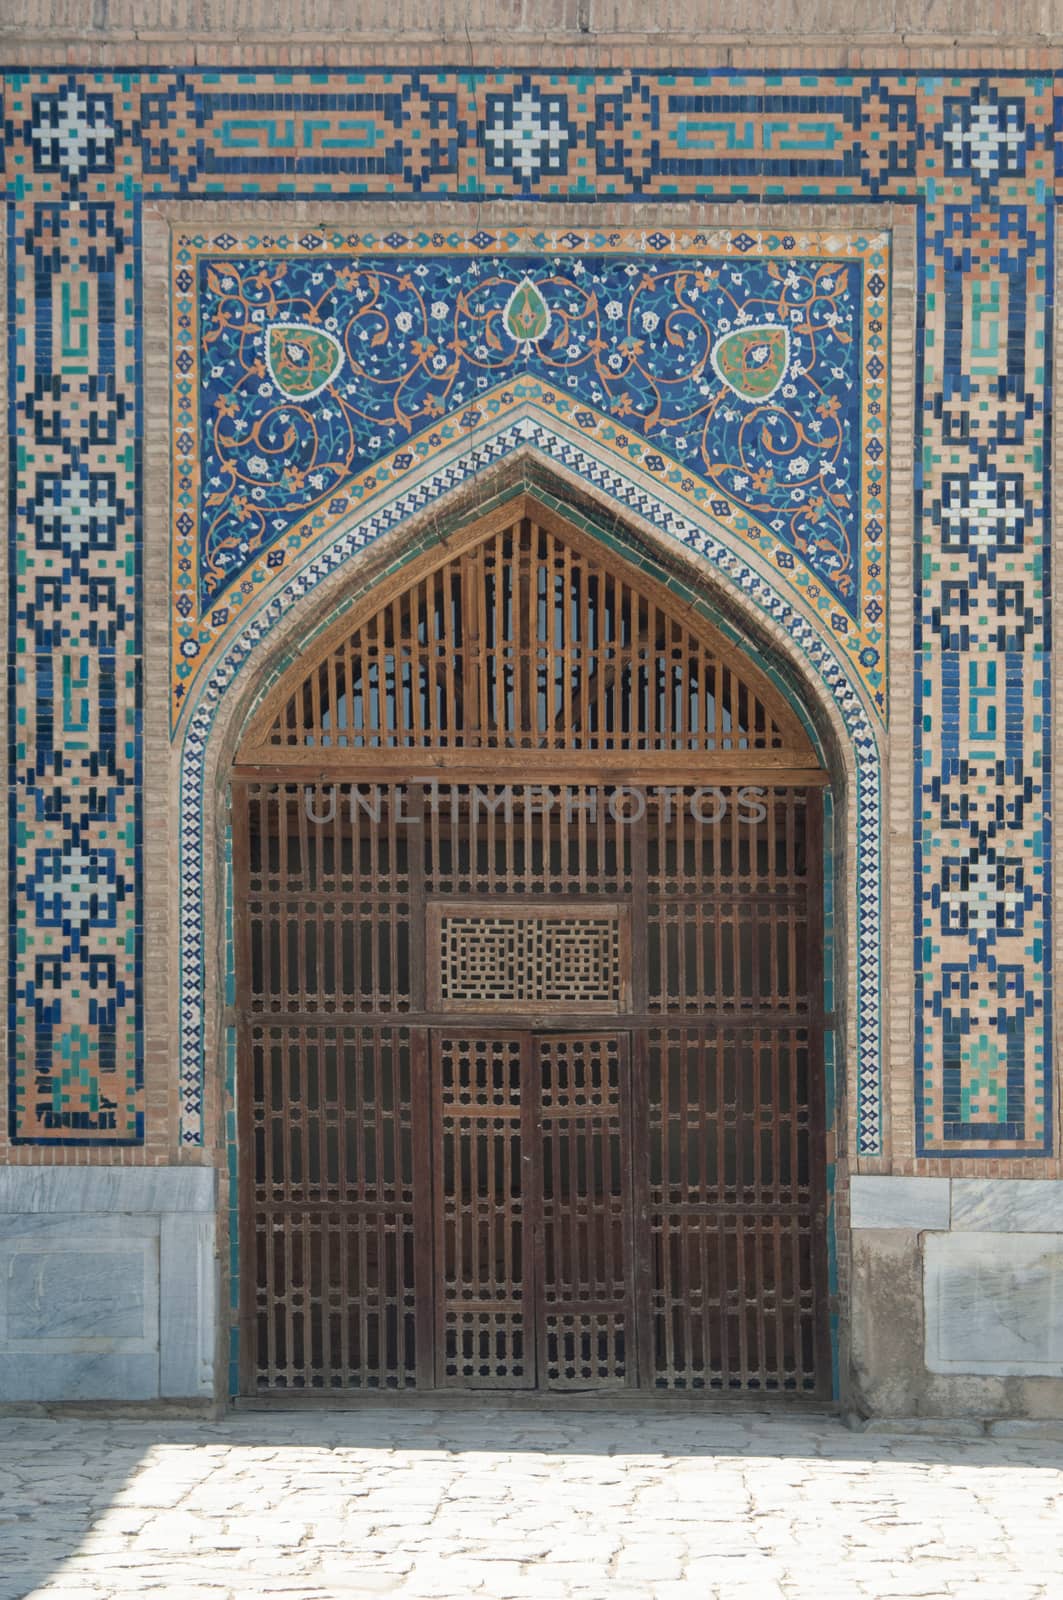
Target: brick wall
{"points": [[1026, 33]]}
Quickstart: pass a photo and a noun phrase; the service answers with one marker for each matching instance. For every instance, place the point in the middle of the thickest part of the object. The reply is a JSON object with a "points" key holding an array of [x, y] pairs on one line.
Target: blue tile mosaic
{"points": [[974, 154]]}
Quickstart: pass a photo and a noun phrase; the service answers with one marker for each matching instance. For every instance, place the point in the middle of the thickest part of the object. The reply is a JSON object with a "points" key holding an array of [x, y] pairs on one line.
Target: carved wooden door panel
{"points": [[586, 1292], [533, 1211], [335, 1189], [484, 1211]]}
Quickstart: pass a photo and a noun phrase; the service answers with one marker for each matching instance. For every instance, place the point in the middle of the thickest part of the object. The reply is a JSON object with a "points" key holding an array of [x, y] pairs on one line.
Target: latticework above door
{"points": [[529, 639]]}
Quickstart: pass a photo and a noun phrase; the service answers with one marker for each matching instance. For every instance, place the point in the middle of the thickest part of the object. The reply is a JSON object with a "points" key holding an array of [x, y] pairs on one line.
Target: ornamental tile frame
{"points": [[972, 153]]}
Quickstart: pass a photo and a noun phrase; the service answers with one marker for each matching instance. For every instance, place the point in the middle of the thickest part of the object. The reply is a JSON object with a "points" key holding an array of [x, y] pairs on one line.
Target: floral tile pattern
{"points": [[752, 380]]}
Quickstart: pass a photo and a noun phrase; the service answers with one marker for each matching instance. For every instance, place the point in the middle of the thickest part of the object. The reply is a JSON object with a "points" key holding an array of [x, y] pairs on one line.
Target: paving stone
{"points": [[626, 1506]]}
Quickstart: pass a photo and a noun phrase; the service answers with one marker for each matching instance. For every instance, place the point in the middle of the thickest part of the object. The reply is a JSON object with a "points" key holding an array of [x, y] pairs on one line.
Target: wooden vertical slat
{"points": [[569, 735], [474, 601], [417, 608], [602, 665], [639, 913], [400, 718], [642, 1130], [332, 699], [354, 677], [817, 1110]]}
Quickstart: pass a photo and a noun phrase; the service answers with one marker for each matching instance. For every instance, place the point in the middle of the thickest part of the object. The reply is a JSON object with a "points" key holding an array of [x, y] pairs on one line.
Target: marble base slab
{"points": [[113, 1299], [994, 1303], [1007, 1205], [63, 1288], [967, 1205], [44, 1379], [884, 1202], [135, 1189]]}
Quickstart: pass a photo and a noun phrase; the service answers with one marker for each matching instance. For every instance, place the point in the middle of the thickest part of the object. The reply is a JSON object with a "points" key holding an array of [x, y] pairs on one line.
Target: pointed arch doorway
{"points": [[529, 947]]}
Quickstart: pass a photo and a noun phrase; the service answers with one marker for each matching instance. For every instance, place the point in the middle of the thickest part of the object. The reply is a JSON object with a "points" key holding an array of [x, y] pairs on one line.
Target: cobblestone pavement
{"points": [[551, 1504]]}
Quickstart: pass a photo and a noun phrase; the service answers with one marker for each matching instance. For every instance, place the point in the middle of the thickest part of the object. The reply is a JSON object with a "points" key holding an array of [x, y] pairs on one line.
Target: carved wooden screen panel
{"points": [[728, 901], [332, 1109], [498, 840], [328, 898], [332, 1208], [731, 1209], [530, 640], [660, 1222], [435, 926], [732, 1163], [483, 957]]}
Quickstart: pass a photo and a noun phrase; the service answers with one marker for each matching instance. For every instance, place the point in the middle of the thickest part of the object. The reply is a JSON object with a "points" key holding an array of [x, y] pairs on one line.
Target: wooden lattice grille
{"points": [[731, 1204], [587, 1262], [485, 1301], [530, 640], [330, 1210], [457, 1177], [531, 1051]]}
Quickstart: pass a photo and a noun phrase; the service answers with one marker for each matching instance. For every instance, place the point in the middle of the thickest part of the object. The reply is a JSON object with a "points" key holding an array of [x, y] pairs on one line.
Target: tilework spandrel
{"points": [[971, 153], [745, 370]]}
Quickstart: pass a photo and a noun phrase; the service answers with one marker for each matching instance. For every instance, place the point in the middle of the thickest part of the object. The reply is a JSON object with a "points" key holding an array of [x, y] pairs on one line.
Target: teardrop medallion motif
{"points": [[302, 360], [527, 315], [753, 361]]}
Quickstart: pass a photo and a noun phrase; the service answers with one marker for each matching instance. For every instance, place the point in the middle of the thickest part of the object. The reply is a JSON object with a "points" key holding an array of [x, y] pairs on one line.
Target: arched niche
{"points": [[530, 953]]}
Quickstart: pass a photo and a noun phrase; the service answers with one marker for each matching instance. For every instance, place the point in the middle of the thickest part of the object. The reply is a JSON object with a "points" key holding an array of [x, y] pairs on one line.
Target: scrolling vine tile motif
{"points": [[748, 371], [973, 153]]}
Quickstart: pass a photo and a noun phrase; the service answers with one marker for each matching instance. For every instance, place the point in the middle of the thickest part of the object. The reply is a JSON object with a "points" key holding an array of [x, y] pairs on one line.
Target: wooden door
{"points": [[529, 938], [534, 1281], [485, 1220]]}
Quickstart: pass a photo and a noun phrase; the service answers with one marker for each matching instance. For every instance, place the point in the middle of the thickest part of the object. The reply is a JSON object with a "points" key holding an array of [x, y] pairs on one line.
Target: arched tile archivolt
{"points": [[740, 594]]}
